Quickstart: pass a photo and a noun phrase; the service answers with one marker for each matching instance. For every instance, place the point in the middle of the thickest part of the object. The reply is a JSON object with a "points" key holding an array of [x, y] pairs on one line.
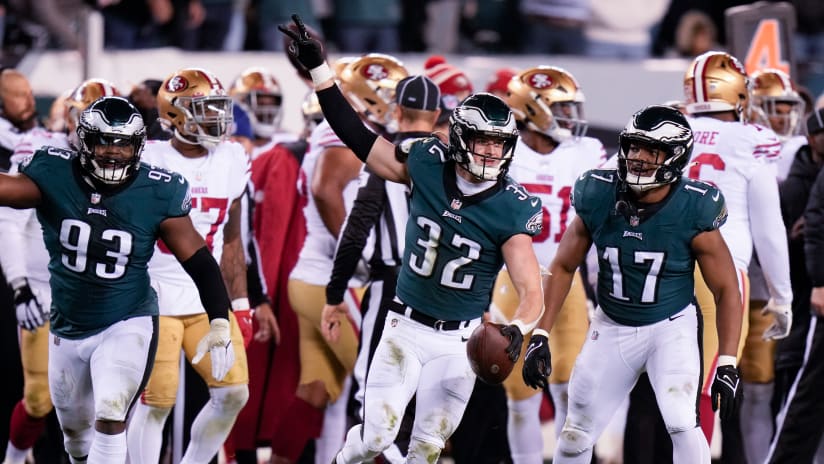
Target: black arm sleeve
{"points": [[366, 211], [814, 232], [205, 272], [345, 122]]}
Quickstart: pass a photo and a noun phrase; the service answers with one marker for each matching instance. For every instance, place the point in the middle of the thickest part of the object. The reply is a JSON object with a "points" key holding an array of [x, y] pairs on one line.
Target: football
{"points": [[486, 350]]}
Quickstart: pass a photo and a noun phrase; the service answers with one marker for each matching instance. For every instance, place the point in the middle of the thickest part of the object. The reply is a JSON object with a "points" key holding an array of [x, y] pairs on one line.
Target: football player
{"points": [[739, 158], [649, 225], [331, 172], [258, 93], [551, 152], [778, 105], [25, 264], [467, 217], [17, 113], [102, 211], [195, 105]]}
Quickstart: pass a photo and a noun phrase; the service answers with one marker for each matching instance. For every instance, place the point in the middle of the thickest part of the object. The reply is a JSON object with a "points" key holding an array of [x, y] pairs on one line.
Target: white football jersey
{"points": [[740, 159], [788, 150], [24, 253], [318, 253], [215, 181], [551, 178]]}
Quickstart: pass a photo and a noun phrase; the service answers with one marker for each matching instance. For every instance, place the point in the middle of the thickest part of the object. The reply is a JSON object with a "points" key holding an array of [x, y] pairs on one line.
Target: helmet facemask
{"points": [[483, 119], [782, 115], [265, 112], [208, 119], [116, 125], [664, 132]]}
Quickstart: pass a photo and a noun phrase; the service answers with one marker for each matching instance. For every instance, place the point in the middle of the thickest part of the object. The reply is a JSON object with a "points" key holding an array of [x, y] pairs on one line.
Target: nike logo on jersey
{"points": [[532, 349], [464, 339], [534, 202], [638, 235], [454, 216], [716, 196], [99, 211], [672, 318]]}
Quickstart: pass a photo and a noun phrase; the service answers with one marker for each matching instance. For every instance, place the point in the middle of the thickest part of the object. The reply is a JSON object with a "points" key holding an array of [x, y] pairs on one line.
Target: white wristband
{"points": [[539, 331], [726, 360], [240, 304], [321, 74]]}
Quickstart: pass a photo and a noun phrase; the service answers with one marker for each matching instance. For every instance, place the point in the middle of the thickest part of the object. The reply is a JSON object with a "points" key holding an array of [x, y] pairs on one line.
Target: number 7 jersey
{"points": [[100, 243]]}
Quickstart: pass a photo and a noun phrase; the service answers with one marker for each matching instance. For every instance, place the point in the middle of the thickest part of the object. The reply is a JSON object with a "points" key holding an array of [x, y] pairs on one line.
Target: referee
{"points": [[374, 231]]}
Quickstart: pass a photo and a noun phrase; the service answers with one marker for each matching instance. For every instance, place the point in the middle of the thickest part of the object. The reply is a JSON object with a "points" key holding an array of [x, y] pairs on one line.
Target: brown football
{"points": [[486, 350]]}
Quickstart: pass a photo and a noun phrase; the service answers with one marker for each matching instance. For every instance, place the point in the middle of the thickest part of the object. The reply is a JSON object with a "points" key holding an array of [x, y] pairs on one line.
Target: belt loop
{"points": [[407, 311], [438, 325]]}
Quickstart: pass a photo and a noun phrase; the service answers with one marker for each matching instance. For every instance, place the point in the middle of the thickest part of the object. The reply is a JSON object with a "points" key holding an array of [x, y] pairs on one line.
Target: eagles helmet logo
{"points": [[535, 223], [177, 84]]}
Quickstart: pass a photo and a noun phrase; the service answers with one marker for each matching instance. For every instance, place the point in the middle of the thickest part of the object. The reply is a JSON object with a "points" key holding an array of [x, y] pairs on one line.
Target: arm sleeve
{"points": [[345, 122], [365, 213], [814, 232], [205, 273], [768, 233]]}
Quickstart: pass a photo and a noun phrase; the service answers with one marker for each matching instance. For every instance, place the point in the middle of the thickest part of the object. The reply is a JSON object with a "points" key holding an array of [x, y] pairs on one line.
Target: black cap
{"points": [[418, 93], [815, 122]]}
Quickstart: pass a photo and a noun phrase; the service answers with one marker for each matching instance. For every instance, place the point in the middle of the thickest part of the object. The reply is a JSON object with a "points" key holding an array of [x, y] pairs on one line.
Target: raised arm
{"points": [[370, 148]]}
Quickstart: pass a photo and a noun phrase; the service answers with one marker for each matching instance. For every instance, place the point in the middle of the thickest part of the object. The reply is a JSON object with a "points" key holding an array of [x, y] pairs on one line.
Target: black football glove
{"points": [[537, 362], [725, 389], [516, 340], [307, 50], [30, 312]]}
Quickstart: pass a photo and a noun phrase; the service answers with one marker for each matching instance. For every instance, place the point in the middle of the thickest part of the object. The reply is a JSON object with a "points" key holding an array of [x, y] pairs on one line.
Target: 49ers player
{"points": [[195, 105], [550, 155], [331, 171], [25, 264], [739, 158]]}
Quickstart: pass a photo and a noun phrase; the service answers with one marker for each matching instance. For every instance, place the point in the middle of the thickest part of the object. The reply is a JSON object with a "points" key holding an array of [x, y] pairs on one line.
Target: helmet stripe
{"points": [[699, 89]]}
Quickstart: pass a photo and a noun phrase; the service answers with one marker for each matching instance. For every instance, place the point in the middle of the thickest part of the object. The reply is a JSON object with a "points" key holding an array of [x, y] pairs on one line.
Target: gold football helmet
{"points": [[548, 99], [194, 104], [717, 81], [80, 98], [258, 92], [776, 103], [369, 84]]}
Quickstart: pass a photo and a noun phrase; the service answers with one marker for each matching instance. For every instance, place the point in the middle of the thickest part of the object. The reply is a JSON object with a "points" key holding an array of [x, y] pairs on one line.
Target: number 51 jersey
{"points": [[100, 243], [453, 242]]}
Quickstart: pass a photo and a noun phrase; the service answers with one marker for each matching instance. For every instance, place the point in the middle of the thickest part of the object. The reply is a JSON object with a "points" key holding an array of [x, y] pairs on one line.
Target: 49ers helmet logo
{"points": [[177, 83], [540, 81], [375, 72]]}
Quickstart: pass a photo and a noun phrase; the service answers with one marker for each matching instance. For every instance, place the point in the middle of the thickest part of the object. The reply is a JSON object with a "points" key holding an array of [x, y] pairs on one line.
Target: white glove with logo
{"points": [[783, 320], [218, 343], [30, 312]]}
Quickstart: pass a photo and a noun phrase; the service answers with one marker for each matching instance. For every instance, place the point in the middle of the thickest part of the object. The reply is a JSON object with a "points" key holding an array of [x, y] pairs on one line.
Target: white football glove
{"points": [[30, 312], [218, 343], [780, 328]]}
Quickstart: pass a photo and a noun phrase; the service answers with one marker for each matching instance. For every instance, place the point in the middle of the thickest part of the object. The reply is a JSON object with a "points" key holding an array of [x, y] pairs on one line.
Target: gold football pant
{"points": [[565, 340], [34, 355], [185, 332], [319, 360]]}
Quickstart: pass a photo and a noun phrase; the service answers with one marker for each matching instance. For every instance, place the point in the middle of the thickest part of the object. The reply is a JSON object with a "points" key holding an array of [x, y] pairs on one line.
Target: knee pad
{"points": [[573, 442], [423, 448], [78, 442], [36, 398], [230, 400]]}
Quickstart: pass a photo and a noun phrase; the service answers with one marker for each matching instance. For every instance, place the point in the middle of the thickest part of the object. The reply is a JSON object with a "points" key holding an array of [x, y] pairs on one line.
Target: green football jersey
{"points": [[453, 242], [645, 266], [99, 243]]}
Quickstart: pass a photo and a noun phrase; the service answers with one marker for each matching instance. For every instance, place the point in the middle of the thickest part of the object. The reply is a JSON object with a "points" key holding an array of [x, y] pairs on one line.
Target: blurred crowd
{"points": [[599, 28]]}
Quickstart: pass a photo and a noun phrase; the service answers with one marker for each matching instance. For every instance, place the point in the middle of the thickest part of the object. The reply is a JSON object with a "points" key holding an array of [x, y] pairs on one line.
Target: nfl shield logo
{"points": [[634, 221], [95, 198], [456, 204]]}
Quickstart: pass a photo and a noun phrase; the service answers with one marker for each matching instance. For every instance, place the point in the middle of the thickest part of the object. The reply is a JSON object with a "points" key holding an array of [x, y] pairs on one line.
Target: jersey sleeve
{"points": [[180, 199], [421, 151], [578, 198], [711, 211], [39, 166], [530, 221]]}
